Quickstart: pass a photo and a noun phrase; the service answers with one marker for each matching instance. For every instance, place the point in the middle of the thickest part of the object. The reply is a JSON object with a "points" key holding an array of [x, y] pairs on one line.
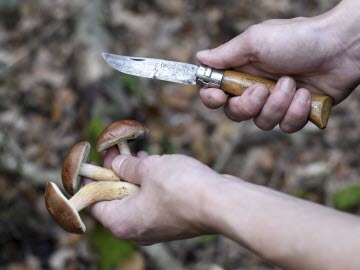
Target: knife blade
{"points": [[231, 82], [153, 68]]}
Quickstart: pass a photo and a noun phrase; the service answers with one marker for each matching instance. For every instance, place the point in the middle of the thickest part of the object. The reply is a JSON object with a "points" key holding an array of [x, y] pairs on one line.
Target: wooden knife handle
{"points": [[235, 83]]}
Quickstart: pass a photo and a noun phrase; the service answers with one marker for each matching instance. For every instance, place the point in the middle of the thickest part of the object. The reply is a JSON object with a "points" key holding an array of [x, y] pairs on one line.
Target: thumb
{"points": [[234, 53], [128, 168]]}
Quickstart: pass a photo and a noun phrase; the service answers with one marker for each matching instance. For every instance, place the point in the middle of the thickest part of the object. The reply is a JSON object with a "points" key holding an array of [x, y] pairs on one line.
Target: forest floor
{"points": [[56, 90]]}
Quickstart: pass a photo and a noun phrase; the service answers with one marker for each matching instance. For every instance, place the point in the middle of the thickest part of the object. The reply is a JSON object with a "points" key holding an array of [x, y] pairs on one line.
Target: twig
{"points": [[37, 175], [12, 161]]}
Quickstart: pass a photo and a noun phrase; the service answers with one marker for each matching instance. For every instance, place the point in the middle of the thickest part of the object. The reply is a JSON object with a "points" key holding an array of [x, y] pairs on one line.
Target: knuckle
{"points": [[166, 156], [296, 116], [253, 31], [252, 35], [154, 160], [249, 111], [238, 111], [144, 166], [277, 107], [148, 164]]}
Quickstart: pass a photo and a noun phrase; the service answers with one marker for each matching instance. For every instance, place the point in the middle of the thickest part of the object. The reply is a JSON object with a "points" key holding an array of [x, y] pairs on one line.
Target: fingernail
{"points": [[287, 85], [259, 94], [116, 164], [303, 97]]}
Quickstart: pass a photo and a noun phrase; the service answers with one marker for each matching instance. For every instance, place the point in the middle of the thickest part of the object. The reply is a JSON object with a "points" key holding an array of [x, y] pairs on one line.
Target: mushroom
{"points": [[75, 166], [65, 212], [119, 133]]}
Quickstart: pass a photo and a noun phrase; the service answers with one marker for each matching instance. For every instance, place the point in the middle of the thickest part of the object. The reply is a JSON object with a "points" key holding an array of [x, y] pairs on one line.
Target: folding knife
{"points": [[231, 82]]}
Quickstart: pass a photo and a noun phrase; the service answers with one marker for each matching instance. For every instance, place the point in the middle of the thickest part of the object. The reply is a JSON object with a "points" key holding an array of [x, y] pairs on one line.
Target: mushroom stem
{"points": [[124, 148], [97, 173], [101, 191], [65, 212]]}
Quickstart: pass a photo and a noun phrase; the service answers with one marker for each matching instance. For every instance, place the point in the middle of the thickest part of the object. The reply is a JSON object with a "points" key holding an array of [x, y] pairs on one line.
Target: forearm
{"points": [[289, 232]]}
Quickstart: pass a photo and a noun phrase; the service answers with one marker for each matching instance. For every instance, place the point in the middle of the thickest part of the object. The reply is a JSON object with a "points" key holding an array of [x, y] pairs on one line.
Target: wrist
{"points": [[214, 204], [338, 31], [341, 24], [224, 202]]}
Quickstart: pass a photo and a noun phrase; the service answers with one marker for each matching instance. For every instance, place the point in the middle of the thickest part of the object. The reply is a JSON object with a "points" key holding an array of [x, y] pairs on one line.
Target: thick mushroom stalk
{"points": [[119, 133], [65, 212], [75, 166]]}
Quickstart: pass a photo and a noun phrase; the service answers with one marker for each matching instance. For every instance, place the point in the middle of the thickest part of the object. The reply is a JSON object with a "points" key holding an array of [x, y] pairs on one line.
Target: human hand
{"points": [[313, 51], [181, 198], [170, 204]]}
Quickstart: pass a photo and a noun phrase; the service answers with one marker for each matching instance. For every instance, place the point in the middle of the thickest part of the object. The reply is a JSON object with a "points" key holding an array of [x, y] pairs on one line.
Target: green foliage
{"points": [[300, 193], [150, 150], [111, 251], [207, 238], [132, 83], [91, 132], [347, 198], [169, 147]]}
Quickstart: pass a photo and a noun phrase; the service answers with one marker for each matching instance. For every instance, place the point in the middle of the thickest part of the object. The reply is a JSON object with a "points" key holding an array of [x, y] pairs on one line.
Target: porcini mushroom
{"points": [[119, 133], [65, 212], [75, 166]]}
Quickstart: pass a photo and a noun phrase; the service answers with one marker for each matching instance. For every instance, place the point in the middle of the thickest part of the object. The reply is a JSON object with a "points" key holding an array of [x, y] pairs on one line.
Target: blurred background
{"points": [[56, 90]]}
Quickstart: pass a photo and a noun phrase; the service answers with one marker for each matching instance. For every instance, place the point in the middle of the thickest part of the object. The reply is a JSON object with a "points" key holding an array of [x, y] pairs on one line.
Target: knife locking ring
{"points": [[209, 77]]}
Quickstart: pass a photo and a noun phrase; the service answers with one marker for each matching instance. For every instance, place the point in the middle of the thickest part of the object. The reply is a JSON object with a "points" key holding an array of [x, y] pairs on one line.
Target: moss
{"points": [[347, 198], [111, 251]]}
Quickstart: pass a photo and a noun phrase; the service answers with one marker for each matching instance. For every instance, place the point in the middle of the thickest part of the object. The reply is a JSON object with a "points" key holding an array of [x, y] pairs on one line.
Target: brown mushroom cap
{"points": [[62, 211], [77, 155], [119, 131]]}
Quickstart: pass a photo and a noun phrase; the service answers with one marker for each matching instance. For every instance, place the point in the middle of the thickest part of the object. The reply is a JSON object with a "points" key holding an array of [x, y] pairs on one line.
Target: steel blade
{"points": [[153, 68]]}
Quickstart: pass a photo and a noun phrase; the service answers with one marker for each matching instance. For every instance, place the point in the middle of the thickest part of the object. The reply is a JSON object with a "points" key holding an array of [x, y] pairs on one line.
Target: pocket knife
{"points": [[231, 82]]}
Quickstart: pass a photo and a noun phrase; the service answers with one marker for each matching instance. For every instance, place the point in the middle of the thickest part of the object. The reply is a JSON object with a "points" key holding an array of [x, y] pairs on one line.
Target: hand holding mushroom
{"points": [[65, 212], [181, 198], [175, 191]]}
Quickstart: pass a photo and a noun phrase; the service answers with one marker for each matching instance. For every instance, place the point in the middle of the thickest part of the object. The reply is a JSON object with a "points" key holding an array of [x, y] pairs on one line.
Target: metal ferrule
{"points": [[209, 77]]}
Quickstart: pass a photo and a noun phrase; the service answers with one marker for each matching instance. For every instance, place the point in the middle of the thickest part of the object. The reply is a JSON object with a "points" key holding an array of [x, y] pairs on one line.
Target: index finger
{"points": [[110, 155]]}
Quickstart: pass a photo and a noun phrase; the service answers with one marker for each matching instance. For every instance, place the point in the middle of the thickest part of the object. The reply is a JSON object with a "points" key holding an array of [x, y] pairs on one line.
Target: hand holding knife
{"points": [[231, 82]]}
